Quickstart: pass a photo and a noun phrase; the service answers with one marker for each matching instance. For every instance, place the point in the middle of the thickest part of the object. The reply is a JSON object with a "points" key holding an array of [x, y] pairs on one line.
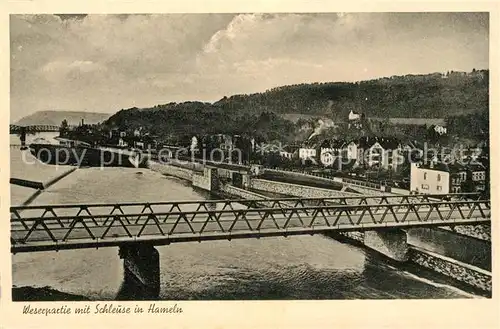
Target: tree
{"points": [[63, 129]]}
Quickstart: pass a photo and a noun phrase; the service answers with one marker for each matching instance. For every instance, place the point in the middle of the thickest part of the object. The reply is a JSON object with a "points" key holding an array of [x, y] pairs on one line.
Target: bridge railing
{"points": [[78, 210], [178, 223], [353, 200]]}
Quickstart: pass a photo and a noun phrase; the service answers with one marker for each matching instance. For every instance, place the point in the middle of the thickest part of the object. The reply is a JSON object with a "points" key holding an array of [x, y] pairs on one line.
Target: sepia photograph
{"points": [[248, 156]]}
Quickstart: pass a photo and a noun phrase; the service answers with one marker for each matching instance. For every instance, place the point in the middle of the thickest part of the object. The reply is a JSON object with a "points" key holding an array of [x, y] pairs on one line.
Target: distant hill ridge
{"points": [[434, 97], [56, 117]]}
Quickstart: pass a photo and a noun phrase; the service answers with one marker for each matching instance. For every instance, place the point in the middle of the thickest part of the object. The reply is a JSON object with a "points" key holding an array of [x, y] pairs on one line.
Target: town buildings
{"points": [[372, 152], [441, 178]]}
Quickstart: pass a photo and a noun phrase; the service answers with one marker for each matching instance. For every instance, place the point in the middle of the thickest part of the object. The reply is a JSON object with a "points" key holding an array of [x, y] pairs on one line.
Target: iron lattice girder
{"points": [[33, 128], [209, 219]]}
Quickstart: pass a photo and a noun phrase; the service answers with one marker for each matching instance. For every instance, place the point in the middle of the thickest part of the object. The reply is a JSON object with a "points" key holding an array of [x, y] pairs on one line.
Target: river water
{"points": [[300, 267]]}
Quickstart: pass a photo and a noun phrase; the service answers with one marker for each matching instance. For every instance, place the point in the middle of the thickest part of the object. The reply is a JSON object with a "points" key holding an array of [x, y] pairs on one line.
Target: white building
{"points": [[288, 151], [352, 151], [440, 129], [307, 153], [285, 154], [478, 176], [354, 116], [327, 157], [432, 179], [121, 142]]}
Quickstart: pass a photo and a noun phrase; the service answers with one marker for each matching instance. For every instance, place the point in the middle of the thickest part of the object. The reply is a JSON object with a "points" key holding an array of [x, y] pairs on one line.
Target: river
{"points": [[300, 267]]}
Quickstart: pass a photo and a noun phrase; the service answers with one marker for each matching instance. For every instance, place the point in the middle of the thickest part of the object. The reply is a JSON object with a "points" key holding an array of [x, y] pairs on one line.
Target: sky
{"points": [[103, 63]]}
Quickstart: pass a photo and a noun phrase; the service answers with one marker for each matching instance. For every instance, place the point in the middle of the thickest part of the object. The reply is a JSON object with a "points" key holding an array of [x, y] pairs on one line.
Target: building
{"points": [[137, 132], [289, 152], [327, 153], [458, 176], [477, 175], [307, 153], [437, 178], [354, 116], [379, 152], [355, 119], [309, 150], [432, 179], [351, 151], [122, 143], [441, 130]]}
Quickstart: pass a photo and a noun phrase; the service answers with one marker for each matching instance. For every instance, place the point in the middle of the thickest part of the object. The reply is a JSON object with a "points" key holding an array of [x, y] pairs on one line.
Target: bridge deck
{"points": [[54, 227], [14, 129]]}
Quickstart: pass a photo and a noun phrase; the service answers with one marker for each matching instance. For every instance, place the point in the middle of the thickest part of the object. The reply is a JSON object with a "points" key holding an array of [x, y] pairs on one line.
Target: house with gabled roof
{"points": [[379, 152], [289, 151], [309, 149], [329, 150]]}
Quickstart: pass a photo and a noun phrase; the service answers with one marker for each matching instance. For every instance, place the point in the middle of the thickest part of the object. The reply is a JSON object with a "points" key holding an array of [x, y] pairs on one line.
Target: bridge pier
{"points": [[390, 242], [141, 272], [208, 181]]}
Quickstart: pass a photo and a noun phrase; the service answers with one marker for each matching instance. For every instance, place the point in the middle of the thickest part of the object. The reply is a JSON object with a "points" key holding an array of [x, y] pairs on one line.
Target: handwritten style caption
{"points": [[108, 308]]}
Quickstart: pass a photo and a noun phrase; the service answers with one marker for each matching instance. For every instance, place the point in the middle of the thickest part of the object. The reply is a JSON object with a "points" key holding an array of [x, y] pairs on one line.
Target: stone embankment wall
{"points": [[240, 193], [469, 274], [449, 267], [170, 170], [336, 181], [296, 190], [207, 180], [249, 195], [201, 181], [481, 232], [389, 242]]}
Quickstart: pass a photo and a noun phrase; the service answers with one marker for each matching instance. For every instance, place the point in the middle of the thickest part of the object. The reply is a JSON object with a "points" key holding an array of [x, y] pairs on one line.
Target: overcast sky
{"points": [[102, 63]]}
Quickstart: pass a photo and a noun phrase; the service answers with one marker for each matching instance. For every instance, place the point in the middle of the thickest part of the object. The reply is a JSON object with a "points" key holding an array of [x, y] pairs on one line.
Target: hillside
{"points": [[279, 113], [56, 117], [417, 96], [178, 121]]}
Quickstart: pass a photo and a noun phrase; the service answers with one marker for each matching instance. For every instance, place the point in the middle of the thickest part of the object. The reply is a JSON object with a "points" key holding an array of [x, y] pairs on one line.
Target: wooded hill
{"points": [[420, 96]]}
